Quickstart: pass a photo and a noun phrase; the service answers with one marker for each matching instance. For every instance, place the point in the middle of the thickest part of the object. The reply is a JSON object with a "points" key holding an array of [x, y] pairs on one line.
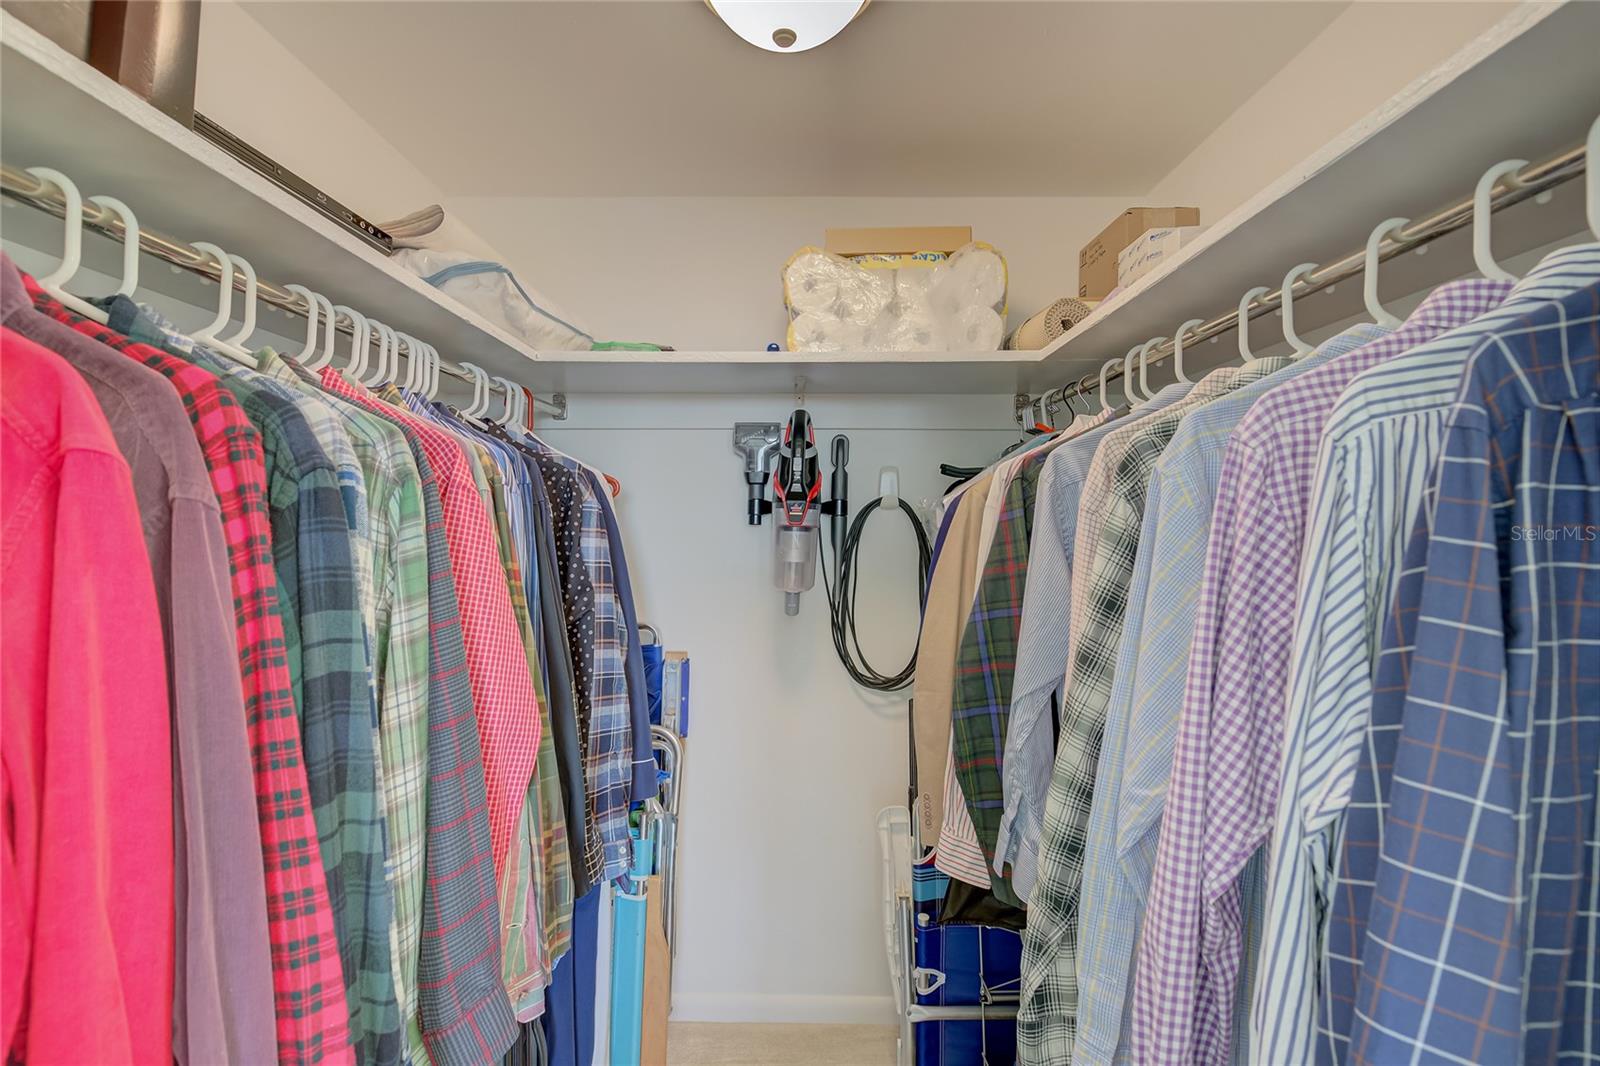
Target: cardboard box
{"points": [[1097, 263], [1150, 249], [897, 240]]}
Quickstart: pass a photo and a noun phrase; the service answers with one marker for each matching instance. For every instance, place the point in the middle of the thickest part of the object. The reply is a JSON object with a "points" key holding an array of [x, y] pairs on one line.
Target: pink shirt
{"points": [[87, 937]]}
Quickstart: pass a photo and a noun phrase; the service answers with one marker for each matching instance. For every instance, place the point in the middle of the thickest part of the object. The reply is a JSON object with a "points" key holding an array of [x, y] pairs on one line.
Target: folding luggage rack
{"points": [[901, 845]]}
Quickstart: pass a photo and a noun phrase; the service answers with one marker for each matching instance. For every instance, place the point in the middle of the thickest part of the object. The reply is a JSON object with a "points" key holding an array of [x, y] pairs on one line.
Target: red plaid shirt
{"points": [[313, 1019], [502, 688]]}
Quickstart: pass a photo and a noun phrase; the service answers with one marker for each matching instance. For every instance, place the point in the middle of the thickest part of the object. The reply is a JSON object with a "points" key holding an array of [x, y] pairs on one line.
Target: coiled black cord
{"points": [[842, 608]]}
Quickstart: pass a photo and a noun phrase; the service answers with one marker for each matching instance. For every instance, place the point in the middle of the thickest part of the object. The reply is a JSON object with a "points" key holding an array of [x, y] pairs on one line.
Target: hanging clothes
{"points": [[222, 985], [88, 863], [1380, 445], [1225, 766]]}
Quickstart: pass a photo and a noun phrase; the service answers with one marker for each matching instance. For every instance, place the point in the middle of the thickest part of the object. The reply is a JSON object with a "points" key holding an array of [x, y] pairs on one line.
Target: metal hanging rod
{"points": [[23, 187], [1533, 180]]}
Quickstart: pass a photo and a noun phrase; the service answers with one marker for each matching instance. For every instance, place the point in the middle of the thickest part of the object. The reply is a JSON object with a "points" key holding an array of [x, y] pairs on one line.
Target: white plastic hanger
{"points": [[330, 324], [1244, 321], [1369, 272], [1295, 274], [358, 342], [207, 335], [1104, 368], [250, 291], [71, 246], [431, 388], [313, 313], [1482, 220], [388, 344], [512, 415], [1177, 349], [1144, 365], [1591, 176], [130, 242], [1129, 388], [414, 349], [425, 369], [480, 390]]}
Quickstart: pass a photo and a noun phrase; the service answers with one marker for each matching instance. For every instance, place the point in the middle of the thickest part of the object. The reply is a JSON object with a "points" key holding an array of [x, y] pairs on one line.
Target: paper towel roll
{"points": [[911, 285], [1048, 324], [907, 332], [811, 282], [980, 276], [975, 329], [864, 294], [817, 332]]}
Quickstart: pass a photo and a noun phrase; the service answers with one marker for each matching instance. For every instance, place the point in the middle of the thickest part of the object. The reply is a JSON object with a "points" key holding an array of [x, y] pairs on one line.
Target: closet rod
{"points": [[1533, 180], [25, 188]]}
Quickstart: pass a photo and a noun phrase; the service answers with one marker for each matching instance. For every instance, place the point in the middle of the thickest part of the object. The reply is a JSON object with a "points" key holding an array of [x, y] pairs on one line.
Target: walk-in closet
{"points": [[800, 532]]}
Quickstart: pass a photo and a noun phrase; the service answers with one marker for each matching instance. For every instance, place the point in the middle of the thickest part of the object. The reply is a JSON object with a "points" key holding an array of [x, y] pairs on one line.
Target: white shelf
{"points": [[62, 113], [1527, 88]]}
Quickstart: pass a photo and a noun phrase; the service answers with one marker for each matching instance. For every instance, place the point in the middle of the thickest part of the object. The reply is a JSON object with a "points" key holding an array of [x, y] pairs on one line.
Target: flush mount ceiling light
{"points": [[787, 25]]}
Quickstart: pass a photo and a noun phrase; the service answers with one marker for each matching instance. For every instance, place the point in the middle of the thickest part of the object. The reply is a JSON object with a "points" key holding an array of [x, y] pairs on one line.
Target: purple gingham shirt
{"points": [[1225, 767]]}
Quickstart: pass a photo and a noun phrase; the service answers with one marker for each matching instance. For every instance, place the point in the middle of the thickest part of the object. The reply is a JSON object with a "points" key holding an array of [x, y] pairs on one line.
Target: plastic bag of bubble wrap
{"points": [[926, 301], [494, 292]]}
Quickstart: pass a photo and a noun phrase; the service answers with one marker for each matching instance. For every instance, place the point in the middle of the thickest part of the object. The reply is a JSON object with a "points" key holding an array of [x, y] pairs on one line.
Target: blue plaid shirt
{"points": [[1476, 798]]}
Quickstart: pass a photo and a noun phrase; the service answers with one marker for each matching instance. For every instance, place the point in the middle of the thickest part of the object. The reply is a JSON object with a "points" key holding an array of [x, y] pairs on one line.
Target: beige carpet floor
{"points": [[730, 1044]]}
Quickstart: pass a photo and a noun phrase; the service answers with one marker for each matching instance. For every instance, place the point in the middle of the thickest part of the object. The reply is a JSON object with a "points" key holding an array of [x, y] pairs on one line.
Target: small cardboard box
{"points": [[897, 240], [1097, 263], [1152, 248]]}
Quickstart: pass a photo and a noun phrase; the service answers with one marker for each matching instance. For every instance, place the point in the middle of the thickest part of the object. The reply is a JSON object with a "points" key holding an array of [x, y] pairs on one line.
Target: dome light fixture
{"points": [[787, 25]]}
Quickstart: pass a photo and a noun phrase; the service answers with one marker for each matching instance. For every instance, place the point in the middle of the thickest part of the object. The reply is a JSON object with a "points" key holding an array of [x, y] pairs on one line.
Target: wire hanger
{"points": [[1244, 321], [71, 247], [1295, 274], [358, 341], [207, 335], [1369, 272], [130, 243], [1177, 349], [1482, 219], [1144, 366]]}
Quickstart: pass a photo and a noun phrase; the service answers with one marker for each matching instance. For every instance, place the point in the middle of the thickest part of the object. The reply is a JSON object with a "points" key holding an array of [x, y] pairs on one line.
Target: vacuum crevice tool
{"points": [[757, 444]]}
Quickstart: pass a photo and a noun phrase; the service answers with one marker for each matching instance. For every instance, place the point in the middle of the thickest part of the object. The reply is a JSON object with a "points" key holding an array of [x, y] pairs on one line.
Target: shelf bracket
{"points": [[1025, 410], [555, 404]]}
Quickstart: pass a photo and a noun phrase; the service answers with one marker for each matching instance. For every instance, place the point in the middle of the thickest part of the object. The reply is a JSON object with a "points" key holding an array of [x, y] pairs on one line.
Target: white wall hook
{"points": [[889, 487]]}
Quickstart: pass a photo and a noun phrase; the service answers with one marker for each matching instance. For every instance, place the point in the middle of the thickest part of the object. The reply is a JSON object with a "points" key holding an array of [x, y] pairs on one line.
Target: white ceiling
{"points": [[916, 98]]}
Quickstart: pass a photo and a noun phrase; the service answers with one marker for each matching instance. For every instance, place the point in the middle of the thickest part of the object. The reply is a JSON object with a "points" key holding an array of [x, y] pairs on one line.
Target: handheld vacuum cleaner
{"points": [[798, 507], [797, 495]]}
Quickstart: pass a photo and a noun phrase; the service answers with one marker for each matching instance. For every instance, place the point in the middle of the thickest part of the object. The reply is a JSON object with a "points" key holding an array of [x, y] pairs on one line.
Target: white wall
{"points": [[788, 762], [1366, 55]]}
